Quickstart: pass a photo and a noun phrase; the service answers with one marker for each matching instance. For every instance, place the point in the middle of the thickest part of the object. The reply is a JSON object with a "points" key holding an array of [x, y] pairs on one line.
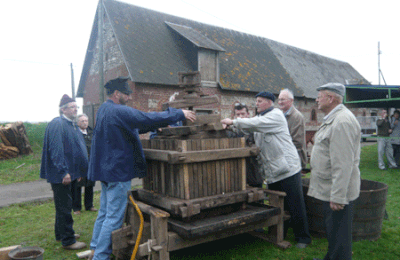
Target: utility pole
{"points": [[380, 74], [101, 51], [72, 82]]}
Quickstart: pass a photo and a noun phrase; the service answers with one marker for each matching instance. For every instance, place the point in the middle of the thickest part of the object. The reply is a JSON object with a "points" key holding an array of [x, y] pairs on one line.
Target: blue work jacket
{"points": [[117, 154], [64, 151]]}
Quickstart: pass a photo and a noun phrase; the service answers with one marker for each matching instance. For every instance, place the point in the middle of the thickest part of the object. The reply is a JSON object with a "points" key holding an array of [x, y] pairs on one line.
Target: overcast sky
{"points": [[40, 39]]}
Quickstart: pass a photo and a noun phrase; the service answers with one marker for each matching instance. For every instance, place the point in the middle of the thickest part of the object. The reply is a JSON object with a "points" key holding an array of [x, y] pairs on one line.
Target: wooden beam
{"points": [[173, 157]]}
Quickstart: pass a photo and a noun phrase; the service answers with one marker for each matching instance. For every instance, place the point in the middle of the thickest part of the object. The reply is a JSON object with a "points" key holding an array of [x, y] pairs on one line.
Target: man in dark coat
{"points": [[117, 157], [87, 133], [64, 160]]}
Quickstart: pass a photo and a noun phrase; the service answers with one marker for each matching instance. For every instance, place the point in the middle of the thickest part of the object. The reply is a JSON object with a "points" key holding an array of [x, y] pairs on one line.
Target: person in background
{"points": [[395, 126], [384, 142], [64, 161], [296, 124], [116, 157], [253, 175], [154, 133], [87, 133], [278, 160], [335, 174]]}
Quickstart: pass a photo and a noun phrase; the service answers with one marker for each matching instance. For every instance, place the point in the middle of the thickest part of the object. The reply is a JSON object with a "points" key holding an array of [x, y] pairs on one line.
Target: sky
{"points": [[42, 38]]}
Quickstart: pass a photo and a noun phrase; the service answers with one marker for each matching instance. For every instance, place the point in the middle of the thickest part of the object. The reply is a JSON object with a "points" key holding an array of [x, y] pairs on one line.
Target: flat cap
{"points": [[120, 84], [334, 87], [266, 94]]}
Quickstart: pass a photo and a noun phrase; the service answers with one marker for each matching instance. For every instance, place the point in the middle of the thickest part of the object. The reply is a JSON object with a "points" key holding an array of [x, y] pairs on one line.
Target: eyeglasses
{"points": [[73, 107], [240, 104]]}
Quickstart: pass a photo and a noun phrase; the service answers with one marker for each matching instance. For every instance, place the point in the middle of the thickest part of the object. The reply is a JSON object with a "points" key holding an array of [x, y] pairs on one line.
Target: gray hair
{"points": [[289, 92], [336, 95], [81, 115], [63, 107]]}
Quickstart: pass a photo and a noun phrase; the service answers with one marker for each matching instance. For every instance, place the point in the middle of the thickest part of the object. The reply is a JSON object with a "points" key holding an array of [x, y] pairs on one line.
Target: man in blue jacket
{"points": [[64, 160], [117, 156]]}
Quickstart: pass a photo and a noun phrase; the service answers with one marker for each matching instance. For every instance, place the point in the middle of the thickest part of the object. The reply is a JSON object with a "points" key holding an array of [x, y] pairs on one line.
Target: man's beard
{"points": [[122, 101]]}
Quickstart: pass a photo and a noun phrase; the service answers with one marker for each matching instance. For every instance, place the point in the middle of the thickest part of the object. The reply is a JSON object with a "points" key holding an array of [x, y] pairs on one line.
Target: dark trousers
{"points": [[338, 231], [294, 203], [63, 205], [77, 197]]}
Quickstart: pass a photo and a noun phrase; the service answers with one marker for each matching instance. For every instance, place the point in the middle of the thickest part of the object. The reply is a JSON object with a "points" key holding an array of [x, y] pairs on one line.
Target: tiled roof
{"points": [[156, 46]]}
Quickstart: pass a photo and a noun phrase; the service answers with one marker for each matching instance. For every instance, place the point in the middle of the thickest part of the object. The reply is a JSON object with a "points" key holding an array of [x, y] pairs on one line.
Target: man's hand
{"points": [[227, 121], [67, 179], [189, 114], [336, 206]]}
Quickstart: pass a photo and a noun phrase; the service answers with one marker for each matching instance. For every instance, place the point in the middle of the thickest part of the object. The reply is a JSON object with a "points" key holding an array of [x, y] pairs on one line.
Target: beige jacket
{"points": [[295, 120], [335, 158]]}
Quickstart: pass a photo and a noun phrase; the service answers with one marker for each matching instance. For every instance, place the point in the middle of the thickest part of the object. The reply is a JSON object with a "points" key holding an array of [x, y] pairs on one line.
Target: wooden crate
{"points": [[196, 168]]}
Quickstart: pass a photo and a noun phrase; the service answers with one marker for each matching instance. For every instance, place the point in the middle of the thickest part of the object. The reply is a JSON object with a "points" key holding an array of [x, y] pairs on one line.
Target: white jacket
{"points": [[278, 157]]}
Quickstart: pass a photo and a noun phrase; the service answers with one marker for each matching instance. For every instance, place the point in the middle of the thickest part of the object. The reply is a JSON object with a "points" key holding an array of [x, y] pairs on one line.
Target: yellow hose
{"points": [[135, 249]]}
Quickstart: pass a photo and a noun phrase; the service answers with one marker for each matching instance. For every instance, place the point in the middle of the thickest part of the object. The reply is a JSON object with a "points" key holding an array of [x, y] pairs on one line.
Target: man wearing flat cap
{"points": [[64, 160], [117, 157], [335, 174], [278, 160]]}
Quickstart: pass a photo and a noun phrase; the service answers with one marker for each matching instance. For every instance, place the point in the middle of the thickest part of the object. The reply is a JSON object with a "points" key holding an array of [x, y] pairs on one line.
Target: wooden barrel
{"points": [[368, 214]]}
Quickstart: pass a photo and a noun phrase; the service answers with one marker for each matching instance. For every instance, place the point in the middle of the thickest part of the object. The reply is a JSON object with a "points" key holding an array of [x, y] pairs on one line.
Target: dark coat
{"points": [[116, 153], [64, 151]]}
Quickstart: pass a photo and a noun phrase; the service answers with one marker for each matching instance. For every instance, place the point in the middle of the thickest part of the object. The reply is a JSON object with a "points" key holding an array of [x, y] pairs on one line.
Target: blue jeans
{"points": [[113, 201]]}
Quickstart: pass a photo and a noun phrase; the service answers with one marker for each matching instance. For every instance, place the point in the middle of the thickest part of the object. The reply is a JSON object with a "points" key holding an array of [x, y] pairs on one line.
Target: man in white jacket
{"points": [[335, 174], [278, 160]]}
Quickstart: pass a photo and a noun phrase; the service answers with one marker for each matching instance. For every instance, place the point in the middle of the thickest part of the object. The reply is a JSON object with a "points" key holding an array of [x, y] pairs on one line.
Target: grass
{"points": [[32, 224], [26, 167]]}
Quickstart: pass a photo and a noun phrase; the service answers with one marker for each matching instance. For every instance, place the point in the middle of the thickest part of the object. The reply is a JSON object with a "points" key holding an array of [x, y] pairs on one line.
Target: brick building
{"points": [[152, 47]]}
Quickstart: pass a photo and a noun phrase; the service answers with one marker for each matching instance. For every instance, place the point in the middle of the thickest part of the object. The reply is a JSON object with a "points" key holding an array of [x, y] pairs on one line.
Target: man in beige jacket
{"points": [[295, 120], [335, 174]]}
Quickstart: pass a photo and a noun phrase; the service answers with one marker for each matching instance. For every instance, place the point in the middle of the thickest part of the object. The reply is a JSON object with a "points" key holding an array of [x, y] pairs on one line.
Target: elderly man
{"points": [[64, 160], [117, 157], [335, 176], [278, 160], [296, 123], [87, 133]]}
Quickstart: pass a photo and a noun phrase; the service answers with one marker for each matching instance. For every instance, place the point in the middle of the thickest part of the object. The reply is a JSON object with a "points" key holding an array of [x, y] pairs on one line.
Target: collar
{"points": [[288, 111], [83, 131], [266, 111], [70, 120], [333, 111]]}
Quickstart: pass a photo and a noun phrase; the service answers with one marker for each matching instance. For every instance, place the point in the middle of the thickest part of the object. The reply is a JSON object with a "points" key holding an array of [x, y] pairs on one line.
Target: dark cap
{"points": [[266, 94], [334, 87], [120, 84], [65, 100]]}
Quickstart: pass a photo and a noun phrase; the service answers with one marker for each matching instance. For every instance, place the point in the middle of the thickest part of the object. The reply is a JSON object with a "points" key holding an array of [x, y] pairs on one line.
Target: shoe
{"points": [[92, 209], [301, 245], [75, 246], [394, 167], [90, 257], [78, 212], [77, 236], [384, 168]]}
